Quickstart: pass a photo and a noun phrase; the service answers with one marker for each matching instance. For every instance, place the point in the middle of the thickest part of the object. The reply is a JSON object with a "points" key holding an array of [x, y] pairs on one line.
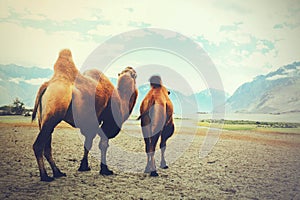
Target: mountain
{"points": [[23, 82], [205, 102], [25, 73], [276, 92], [184, 105], [175, 96]]}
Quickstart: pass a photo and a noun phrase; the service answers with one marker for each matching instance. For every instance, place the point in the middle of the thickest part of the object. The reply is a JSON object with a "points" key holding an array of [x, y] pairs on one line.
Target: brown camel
{"points": [[86, 101], [156, 120]]}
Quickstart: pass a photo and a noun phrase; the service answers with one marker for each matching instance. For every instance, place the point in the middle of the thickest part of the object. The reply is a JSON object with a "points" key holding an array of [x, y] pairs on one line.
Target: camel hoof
{"points": [[84, 169], [105, 171], [59, 174], [47, 179], [164, 167], [84, 166], [153, 174]]}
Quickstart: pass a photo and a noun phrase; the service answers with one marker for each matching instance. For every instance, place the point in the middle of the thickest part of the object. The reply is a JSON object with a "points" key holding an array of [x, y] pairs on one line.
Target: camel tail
{"points": [[38, 100], [142, 115], [146, 112]]}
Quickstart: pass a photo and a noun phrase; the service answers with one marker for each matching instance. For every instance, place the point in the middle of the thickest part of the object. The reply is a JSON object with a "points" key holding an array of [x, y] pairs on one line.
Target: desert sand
{"points": [[242, 165]]}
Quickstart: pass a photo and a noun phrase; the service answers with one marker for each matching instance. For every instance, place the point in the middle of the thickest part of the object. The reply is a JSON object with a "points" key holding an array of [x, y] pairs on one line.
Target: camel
{"points": [[156, 114], [87, 101]]}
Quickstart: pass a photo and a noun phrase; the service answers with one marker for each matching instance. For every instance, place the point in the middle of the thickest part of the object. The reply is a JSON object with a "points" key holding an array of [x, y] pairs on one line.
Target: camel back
{"points": [[157, 95]]}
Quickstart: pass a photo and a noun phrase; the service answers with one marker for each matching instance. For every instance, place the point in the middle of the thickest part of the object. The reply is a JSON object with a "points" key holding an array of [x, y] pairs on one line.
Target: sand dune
{"points": [[242, 165]]}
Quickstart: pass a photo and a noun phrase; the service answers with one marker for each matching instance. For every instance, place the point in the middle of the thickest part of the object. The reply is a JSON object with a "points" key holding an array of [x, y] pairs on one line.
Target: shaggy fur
{"points": [[84, 101], [156, 120]]}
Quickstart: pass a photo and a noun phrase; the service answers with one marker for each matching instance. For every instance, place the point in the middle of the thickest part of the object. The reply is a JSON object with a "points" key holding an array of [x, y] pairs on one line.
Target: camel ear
{"points": [[133, 75], [119, 74]]}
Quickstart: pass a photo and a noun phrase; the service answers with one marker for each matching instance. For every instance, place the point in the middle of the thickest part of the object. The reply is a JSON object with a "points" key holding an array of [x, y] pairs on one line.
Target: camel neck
{"points": [[125, 93]]}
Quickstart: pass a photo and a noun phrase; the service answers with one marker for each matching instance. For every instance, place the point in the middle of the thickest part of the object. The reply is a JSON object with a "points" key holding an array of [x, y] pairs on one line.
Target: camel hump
{"points": [[94, 74], [64, 66], [65, 53]]}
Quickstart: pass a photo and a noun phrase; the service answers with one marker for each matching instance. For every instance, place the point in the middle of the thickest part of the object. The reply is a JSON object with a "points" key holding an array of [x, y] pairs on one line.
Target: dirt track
{"points": [[243, 165]]}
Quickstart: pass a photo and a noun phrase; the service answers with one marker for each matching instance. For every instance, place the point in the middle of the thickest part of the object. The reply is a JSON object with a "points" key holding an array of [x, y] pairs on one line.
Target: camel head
{"points": [[129, 71], [156, 82], [126, 80]]}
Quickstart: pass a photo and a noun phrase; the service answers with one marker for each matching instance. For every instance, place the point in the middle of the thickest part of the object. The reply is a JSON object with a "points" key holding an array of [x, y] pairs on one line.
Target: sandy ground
{"points": [[242, 165]]}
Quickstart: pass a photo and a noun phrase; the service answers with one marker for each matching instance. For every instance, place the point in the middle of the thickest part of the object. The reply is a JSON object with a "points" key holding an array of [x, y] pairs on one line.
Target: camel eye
{"points": [[169, 92]]}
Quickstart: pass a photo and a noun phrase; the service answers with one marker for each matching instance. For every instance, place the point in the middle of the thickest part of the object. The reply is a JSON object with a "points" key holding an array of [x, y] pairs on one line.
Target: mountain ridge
{"points": [[275, 92], [23, 82]]}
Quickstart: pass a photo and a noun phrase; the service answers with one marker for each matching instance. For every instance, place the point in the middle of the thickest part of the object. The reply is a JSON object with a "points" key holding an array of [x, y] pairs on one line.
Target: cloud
{"points": [[233, 27], [278, 76], [52, 10], [34, 81], [139, 24], [16, 80], [238, 7], [130, 9], [244, 39], [34, 47]]}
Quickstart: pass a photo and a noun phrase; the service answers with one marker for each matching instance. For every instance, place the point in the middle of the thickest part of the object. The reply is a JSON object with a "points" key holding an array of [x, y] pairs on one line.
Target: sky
{"points": [[242, 38]]}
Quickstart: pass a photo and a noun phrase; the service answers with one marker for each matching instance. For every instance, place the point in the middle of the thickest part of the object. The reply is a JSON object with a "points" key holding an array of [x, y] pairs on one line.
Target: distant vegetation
{"points": [[245, 125], [17, 108], [257, 123]]}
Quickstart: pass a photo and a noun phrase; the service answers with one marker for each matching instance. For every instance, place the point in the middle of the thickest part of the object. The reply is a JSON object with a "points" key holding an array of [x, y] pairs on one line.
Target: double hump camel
{"points": [[86, 101], [156, 114]]}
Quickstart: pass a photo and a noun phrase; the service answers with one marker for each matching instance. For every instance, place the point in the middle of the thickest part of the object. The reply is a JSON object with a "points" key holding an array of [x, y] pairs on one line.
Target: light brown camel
{"points": [[85, 101], [157, 121]]}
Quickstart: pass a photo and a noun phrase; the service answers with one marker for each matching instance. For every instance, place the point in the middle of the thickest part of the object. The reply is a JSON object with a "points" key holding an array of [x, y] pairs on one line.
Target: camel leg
{"points": [[163, 163], [38, 147], [166, 134], [103, 145], [84, 166], [147, 134], [147, 148], [48, 154], [153, 142]]}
